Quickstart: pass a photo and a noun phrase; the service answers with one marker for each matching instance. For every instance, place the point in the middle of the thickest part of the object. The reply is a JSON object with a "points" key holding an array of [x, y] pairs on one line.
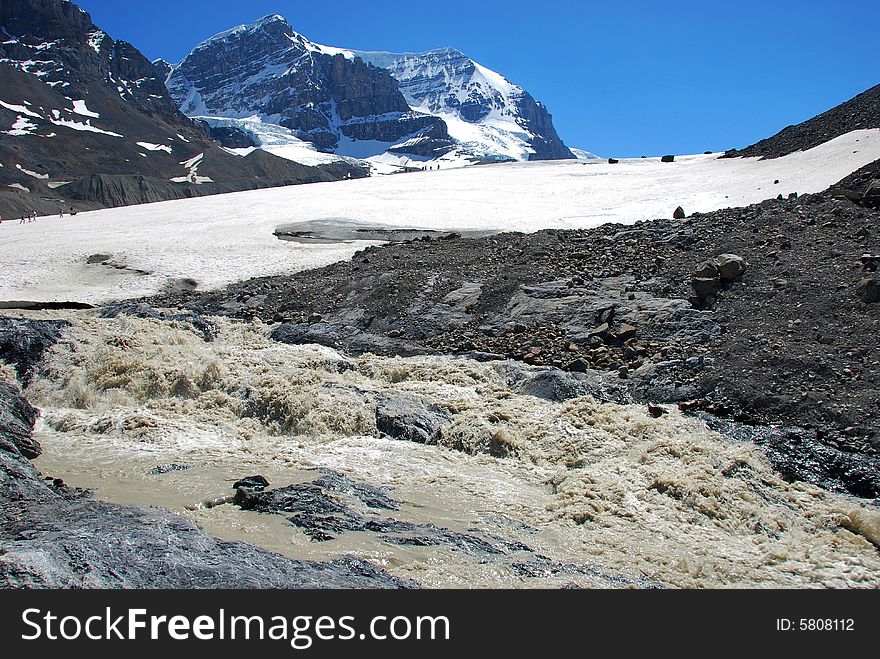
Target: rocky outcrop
{"points": [[269, 70]]}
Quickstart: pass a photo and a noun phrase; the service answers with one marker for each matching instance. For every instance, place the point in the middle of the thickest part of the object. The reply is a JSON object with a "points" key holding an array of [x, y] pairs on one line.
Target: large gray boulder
{"points": [[411, 418]]}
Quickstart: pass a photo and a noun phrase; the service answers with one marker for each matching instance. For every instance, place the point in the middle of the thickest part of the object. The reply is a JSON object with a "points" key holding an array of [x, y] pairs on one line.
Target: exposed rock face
{"points": [[163, 68], [267, 69], [54, 537], [23, 343], [81, 104], [449, 84]]}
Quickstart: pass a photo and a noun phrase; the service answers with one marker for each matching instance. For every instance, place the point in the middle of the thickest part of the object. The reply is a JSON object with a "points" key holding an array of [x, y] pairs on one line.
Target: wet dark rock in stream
{"points": [[23, 343], [161, 470], [333, 504]]}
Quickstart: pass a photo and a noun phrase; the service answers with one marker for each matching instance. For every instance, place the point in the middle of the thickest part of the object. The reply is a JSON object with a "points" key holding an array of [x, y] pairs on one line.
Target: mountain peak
{"points": [[271, 18], [274, 22]]}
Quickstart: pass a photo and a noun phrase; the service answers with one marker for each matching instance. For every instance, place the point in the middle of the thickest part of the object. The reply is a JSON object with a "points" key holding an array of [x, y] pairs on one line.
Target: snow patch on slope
{"points": [[275, 139], [22, 126], [79, 107], [154, 147], [21, 109], [83, 127]]}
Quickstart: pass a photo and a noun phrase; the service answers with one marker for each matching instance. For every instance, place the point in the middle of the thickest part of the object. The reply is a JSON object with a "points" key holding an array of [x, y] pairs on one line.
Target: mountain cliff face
{"points": [[439, 104], [489, 116], [76, 104], [267, 70]]}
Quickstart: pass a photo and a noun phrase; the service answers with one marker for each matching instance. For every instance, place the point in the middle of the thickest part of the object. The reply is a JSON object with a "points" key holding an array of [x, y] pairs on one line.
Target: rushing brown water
{"points": [[581, 482]]}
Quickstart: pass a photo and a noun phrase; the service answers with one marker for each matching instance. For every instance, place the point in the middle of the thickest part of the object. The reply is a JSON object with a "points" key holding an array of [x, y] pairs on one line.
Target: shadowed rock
{"points": [[23, 343]]}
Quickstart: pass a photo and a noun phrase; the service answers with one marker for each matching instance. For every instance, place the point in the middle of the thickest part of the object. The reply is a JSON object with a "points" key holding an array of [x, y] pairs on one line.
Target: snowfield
{"points": [[221, 239]]}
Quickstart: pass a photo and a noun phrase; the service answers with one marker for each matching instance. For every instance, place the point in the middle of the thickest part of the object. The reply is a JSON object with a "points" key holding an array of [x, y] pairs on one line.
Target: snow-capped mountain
{"points": [[400, 107], [87, 120], [488, 116], [267, 72]]}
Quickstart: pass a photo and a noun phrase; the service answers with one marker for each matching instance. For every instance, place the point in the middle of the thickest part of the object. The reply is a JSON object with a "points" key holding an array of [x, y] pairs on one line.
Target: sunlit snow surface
{"points": [[220, 239]]}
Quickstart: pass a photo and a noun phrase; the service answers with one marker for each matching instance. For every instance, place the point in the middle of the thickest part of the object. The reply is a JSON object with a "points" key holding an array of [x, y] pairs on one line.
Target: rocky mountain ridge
{"points": [[75, 104]]}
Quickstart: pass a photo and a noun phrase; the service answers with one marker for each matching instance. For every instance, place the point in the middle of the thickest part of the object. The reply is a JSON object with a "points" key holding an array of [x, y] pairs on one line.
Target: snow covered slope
{"points": [[270, 137], [489, 117], [216, 240]]}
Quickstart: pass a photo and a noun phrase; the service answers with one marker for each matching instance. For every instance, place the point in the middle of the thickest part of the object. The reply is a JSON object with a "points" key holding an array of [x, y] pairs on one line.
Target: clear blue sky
{"points": [[620, 78]]}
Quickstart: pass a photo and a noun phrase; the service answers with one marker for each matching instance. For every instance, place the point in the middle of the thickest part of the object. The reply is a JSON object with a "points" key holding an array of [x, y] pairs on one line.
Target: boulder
{"points": [[410, 418], [870, 262], [679, 214], [707, 270], [625, 332], [731, 266], [667, 159], [871, 197], [869, 290], [705, 286], [251, 482], [601, 331]]}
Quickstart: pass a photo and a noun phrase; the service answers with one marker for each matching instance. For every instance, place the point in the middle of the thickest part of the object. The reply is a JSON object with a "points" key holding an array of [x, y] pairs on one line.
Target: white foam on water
{"points": [[599, 484]]}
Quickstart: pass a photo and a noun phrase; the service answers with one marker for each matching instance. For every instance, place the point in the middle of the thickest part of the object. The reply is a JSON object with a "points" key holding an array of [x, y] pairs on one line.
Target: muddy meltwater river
{"points": [[596, 494]]}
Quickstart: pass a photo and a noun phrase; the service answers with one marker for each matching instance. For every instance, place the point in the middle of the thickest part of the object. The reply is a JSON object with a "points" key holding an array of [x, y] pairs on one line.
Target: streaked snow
{"points": [[22, 126], [83, 127], [580, 154], [154, 147], [192, 175], [32, 174], [220, 239], [275, 139], [20, 109]]}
